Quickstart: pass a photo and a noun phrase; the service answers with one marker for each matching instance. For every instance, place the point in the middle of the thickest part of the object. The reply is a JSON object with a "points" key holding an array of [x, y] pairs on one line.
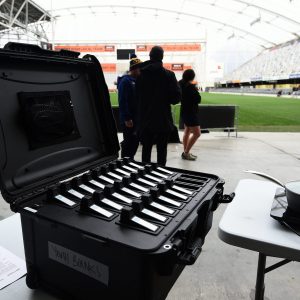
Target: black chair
{"points": [[217, 116]]}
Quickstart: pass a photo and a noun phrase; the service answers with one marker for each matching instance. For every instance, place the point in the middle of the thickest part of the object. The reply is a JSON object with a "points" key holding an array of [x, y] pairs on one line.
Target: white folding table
{"points": [[11, 239], [246, 223]]}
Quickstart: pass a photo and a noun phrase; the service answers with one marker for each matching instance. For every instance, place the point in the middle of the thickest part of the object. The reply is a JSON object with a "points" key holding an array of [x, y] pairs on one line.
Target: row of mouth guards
{"points": [[145, 196]]}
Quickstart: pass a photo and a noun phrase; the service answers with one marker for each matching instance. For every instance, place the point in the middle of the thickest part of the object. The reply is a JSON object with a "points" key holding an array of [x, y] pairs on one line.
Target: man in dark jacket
{"points": [[128, 108], [157, 89]]}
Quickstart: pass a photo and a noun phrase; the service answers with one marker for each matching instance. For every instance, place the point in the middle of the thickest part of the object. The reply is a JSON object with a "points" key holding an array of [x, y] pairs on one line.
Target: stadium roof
{"points": [[264, 23], [20, 14]]}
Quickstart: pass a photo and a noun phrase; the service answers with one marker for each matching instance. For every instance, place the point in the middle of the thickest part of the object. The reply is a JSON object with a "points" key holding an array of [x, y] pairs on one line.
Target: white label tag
{"points": [[129, 169], [159, 174], [178, 188], [123, 172], [154, 215], [162, 208], [101, 211], [130, 192], [112, 204], [146, 182], [170, 201], [153, 178], [115, 175], [176, 194], [98, 184], [78, 262], [106, 179], [144, 223], [137, 166], [139, 187], [31, 210], [87, 188], [65, 200], [164, 170], [70, 178], [122, 198], [76, 194]]}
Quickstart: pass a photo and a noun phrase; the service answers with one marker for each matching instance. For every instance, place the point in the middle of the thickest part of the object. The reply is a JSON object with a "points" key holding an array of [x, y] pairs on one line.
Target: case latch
{"points": [[227, 198], [191, 253]]}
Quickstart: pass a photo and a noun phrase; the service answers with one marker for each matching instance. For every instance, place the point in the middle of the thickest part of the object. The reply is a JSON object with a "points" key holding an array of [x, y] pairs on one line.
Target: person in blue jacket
{"points": [[128, 108]]}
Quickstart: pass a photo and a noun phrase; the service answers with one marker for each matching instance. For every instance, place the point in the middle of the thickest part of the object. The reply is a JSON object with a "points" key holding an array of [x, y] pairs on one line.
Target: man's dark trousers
{"points": [[130, 142], [161, 140]]}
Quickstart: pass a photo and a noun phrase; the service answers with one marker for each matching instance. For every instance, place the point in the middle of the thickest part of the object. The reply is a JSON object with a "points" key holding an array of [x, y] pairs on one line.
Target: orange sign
{"points": [[187, 67], [109, 48], [176, 67], [171, 47], [87, 48], [109, 68], [141, 48]]}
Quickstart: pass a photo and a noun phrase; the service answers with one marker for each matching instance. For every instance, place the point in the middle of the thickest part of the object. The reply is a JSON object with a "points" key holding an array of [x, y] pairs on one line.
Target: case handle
{"points": [[227, 198], [28, 48], [190, 255], [220, 198]]}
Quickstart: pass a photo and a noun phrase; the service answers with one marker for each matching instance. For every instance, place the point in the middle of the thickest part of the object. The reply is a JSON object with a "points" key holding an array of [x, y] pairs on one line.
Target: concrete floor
{"points": [[222, 271]]}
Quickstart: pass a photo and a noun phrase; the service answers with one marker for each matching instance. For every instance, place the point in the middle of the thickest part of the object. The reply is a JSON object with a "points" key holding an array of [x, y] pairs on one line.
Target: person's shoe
{"points": [[187, 156], [195, 156]]}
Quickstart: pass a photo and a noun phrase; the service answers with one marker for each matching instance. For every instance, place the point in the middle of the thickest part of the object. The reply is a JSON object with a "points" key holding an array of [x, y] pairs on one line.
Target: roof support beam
{"points": [[32, 3], [268, 11], [224, 7], [20, 25], [18, 12], [41, 18], [12, 6], [17, 31], [183, 14], [17, 23], [5, 25], [2, 2], [26, 15], [10, 13], [15, 19]]}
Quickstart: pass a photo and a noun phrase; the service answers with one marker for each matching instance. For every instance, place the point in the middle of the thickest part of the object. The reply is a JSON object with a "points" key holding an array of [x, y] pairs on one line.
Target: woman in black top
{"points": [[189, 113]]}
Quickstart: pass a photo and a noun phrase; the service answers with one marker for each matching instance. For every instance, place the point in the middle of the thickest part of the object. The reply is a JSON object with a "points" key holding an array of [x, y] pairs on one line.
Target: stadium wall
{"points": [[178, 57]]}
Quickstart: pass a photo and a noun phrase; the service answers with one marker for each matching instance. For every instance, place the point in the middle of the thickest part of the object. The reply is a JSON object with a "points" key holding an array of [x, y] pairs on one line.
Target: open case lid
{"points": [[55, 118]]}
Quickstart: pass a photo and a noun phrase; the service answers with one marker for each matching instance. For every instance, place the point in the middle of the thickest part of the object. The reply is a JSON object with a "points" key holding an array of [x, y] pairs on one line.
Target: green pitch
{"points": [[256, 113], [114, 99]]}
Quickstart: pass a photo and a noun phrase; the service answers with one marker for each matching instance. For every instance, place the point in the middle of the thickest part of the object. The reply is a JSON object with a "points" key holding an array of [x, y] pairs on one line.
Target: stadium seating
{"points": [[246, 90], [280, 61]]}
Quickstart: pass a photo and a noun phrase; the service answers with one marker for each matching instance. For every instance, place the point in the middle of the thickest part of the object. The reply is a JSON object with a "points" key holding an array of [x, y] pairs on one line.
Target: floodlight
{"points": [[231, 36], [255, 21]]}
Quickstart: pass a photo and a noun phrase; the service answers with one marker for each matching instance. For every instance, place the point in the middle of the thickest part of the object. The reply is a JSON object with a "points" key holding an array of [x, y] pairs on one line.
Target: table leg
{"points": [[260, 277]]}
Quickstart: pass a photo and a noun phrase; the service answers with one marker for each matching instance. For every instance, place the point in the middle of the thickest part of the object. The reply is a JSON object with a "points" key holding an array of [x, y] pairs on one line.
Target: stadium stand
{"points": [[280, 62], [245, 90]]}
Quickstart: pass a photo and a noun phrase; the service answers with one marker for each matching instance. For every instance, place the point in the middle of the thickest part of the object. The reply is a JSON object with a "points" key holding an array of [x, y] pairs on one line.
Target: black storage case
{"points": [[85, 235]]}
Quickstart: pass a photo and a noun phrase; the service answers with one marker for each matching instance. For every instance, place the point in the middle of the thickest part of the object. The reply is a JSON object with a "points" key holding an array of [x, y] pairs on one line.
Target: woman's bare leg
{"points": [[186, 135], [195, 134]]}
